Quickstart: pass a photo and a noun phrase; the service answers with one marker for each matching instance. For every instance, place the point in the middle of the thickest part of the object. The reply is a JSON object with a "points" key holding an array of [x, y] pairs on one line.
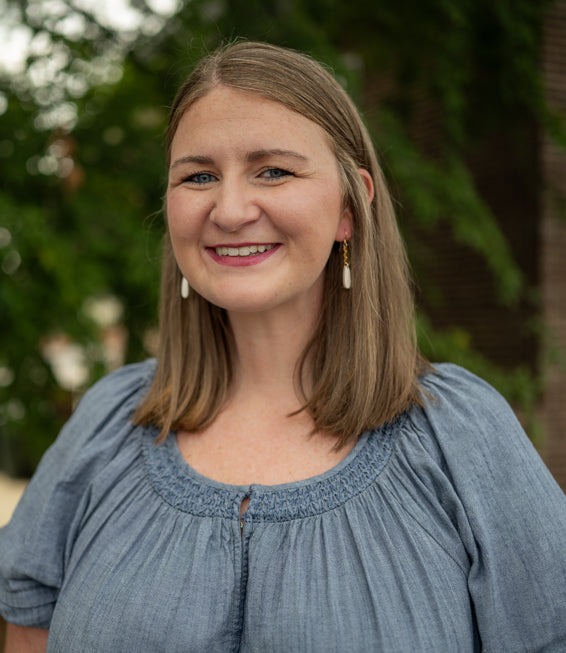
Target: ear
{"points": [[368, 182], [345, 228], [344, 231]]}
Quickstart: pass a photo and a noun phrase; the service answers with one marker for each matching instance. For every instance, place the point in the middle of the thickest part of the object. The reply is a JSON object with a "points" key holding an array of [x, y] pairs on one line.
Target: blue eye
{"points": [[276, 173], [201, 178]]}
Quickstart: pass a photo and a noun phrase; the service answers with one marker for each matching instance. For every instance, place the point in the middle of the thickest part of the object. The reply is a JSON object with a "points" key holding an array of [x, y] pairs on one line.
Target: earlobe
{"points": [[345, 227]]}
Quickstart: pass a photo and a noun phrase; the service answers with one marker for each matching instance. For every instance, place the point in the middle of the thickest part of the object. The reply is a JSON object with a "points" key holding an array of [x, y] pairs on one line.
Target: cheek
{"points": [[172, 211], [315, 214], [181, 221]]}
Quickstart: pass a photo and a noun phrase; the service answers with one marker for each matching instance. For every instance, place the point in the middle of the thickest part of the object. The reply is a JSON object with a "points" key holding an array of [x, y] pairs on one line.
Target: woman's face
{"points": [[254, 203]]}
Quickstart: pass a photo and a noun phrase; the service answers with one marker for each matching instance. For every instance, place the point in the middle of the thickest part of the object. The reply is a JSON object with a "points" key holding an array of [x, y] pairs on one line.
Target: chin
{"points": [[248, 307], [244, 302]]}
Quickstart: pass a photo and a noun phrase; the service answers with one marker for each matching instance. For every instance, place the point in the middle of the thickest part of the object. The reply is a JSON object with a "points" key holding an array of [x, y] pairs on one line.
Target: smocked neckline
{"points": [[187, 490]]}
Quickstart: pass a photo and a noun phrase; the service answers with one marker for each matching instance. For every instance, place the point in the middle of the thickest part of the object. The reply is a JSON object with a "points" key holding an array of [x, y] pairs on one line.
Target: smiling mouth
{"points": [[247, 250]]}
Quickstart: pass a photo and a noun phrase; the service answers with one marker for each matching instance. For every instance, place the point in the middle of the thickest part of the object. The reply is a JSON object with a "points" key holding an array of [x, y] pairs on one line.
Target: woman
{"points": [[316, 486]]}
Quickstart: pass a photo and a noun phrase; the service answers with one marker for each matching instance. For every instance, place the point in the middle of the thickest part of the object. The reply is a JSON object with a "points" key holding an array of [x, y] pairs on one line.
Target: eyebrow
{"points": [[201, 160], [264, 154], [255, 155]]}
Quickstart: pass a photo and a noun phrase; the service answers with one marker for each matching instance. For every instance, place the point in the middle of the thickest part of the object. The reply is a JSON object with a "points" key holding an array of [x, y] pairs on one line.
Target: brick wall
{"points": [[552, 242], [525, 187]]}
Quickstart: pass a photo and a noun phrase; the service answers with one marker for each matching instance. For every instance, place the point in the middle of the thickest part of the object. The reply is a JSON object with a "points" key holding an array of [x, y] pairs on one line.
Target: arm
{"points": [[510, 514], [21, 639]]}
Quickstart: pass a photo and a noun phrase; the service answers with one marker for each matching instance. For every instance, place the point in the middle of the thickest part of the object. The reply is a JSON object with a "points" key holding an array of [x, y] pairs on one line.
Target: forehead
{"points": [[240, 116]]}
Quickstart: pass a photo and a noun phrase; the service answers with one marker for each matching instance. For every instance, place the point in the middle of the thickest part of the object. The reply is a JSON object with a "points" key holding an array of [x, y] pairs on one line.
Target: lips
{"points": [[246, 250], [242, 255]]}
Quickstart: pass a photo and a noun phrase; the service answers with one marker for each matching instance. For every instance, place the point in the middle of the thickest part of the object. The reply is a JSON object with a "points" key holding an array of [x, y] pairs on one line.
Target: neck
{"points": [[268, 347]]}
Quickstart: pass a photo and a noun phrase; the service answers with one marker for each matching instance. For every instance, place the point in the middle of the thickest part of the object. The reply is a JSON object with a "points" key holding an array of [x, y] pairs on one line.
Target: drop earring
{"points": [[346, 273], [184, 288]]}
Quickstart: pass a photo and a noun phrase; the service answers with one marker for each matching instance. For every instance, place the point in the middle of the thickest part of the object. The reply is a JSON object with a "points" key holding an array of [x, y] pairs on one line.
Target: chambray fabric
{"points": [[442, 531]]}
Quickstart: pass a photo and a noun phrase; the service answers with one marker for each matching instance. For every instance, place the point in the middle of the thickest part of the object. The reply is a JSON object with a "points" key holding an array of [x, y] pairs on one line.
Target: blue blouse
{"points": [[442, 531]]}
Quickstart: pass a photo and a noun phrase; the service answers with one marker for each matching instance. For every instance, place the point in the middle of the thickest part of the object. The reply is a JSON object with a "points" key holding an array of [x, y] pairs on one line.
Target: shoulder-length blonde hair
{"points": [[362, 359]]}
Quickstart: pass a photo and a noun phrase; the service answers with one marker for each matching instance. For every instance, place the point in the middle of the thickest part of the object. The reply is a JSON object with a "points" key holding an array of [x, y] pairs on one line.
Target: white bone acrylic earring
{"points": [[184, 288], [346, 273]]}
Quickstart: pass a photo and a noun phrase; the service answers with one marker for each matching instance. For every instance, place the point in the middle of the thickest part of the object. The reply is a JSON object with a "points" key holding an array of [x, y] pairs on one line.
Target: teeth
{"points": [[248, 250]]}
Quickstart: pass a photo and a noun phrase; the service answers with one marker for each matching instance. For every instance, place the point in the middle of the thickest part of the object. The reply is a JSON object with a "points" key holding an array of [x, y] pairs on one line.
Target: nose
{"points": [[235, 206]]}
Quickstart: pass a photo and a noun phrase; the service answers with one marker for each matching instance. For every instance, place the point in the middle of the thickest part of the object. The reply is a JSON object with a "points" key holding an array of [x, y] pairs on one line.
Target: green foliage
{"points": [[82, 176], [443, 192]]}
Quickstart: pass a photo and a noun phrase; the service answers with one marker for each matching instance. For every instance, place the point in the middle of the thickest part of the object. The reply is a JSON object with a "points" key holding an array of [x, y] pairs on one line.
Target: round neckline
{"points": [[181, 486], [173, 444]]}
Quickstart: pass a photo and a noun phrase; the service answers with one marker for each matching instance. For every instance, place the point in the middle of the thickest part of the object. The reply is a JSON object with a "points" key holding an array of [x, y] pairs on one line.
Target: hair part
{"points": [[362, 360]]}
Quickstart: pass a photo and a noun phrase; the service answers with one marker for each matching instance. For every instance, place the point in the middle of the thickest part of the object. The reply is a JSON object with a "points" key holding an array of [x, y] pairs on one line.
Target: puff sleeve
{"points": [[36, 544], [510, 513]]}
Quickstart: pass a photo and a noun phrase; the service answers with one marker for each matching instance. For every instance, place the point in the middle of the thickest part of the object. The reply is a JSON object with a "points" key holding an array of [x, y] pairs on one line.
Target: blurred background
{"points": [[466, 102]]}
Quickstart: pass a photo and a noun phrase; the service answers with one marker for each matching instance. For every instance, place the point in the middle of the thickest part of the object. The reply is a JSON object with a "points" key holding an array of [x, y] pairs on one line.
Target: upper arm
{"points": [[22, 639], [512, 520], [36, 544]]}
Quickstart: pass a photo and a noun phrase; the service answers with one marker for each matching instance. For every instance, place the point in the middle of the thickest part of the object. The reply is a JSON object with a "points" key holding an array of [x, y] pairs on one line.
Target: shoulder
{"points": [[463, 408], [99, 437], [100, 424], [124, 385], [115, 396], [454, 391], [476, 439]]}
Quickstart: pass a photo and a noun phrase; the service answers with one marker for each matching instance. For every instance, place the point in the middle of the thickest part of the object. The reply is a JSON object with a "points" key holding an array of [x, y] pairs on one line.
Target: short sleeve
{"points": [[35, 545], [515, 515]]}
